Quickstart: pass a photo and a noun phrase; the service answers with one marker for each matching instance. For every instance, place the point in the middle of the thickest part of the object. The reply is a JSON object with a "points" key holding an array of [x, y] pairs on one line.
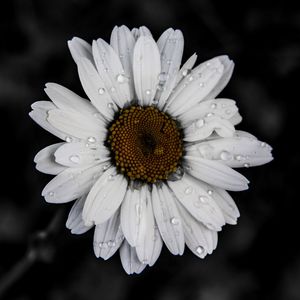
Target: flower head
{"points": [[149, 157]]}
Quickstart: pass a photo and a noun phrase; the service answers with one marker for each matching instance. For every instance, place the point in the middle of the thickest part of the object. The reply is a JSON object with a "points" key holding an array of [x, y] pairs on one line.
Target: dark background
{"points": [[257, 259]]}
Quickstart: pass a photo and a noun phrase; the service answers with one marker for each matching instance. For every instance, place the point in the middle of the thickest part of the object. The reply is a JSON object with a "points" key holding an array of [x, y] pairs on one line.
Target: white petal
{"points": [[45, 161], [94, 87], [111, 70], [75, 221], [142, 31], [77, 125], [105, 197], [227, 73], [196, 86], [170, 45], [40, 114], [122, 41], [108, 237], [71, 184], [235, 152], [186, 68], [157, 246], [129, 259], [146, 69], [201, 129], [226, 204], [146, 234], [197, 201], [66, 100], [80, 48], [198, 237], [216, 174], [81, 154], [223, 108], [132, 209], [168, 219], [236, 119]]}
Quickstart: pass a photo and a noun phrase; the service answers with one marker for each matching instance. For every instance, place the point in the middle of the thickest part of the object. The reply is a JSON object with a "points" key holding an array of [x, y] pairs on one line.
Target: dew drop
{"points": [[263, 144], [103, 245], [105, 167], [162, 77], [210, 192], [101, 91], [201, 84], [239, 157], [174, 221], [208, 64], [199, 123], [110, 105], [246, 165], [138, 210], [200, 250], [111, 244], [91, 139], [69, 139], [121, 78], [203, 199], [148, 92], [208, 115], [111, 177], [213, 106], [185, 72], [112, 89], [191, 78], [74, 159], [188, 190], [228, 111], [225, 155], [144, 261], [51, 194]]}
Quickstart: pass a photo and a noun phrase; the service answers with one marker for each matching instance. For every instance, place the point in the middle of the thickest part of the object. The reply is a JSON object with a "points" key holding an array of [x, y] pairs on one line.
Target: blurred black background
{"points": [[257, 259]]}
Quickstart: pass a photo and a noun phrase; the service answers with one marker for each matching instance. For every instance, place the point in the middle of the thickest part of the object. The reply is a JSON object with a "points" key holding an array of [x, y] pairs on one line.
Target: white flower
{"points": [[149, 158]]}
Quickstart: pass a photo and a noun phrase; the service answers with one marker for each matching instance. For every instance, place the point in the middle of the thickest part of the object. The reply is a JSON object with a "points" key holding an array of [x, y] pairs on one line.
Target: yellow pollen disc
{"points": [[145, 143]]}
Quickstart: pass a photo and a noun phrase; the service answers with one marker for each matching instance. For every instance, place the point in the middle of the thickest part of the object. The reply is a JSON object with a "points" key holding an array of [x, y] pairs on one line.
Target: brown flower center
{"points": [[146, 144]]}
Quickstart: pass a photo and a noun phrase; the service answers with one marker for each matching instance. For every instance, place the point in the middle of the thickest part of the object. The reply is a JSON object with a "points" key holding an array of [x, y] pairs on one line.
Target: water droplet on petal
{"points": [[144, 261], [203, 199], [51, 194], [201, 84], [213, 106], [200, 250], [246, 165], [191, 78], [225, 155], [111, 177], [208, 115], [239, 157], [148, 92], [121, 78], [69, 139], [174, 221], [74, 159], [185, 72], [110, 105], [162, 77], [101, 91], [208, 64], [138, 210], [188, 190], [105, 167], [111, 244], [263, 144], [199, 123], [112, 89], [91, 139], [210, 192], [228, 111]]}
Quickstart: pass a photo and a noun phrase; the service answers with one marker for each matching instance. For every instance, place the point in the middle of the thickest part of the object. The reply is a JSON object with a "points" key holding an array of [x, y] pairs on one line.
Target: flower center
{"points": [[146, 143]]}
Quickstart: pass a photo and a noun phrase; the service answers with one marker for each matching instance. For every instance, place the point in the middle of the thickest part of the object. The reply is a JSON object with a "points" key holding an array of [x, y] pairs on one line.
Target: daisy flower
{"points": [[149, 156]]}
